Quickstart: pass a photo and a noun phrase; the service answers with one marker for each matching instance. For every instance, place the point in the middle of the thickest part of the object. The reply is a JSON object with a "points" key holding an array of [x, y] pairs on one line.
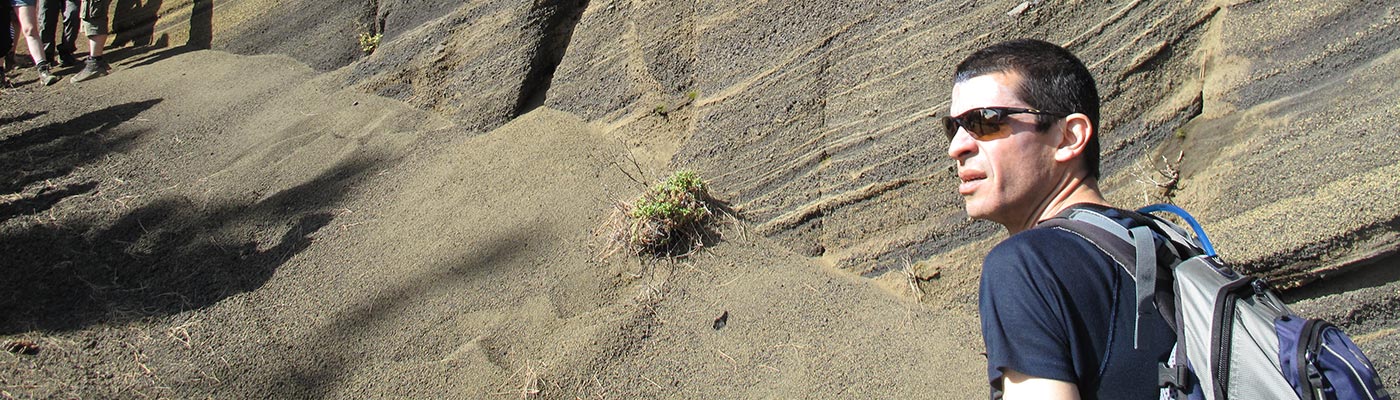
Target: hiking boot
{"points": [[46, 76], [94, 68], [67, 60]]}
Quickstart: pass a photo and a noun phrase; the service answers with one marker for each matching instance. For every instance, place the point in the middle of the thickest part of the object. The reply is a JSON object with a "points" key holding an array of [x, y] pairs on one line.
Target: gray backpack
{"points": [[1235, 338]]}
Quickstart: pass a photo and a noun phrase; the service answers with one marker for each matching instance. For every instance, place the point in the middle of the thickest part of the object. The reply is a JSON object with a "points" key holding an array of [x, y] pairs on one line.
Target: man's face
{"points": [[1006, 177]]}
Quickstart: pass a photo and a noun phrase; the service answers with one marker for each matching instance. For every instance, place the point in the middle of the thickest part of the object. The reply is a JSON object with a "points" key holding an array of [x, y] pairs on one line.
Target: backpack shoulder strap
{"points": [[1134, 249], [1101, 231]]}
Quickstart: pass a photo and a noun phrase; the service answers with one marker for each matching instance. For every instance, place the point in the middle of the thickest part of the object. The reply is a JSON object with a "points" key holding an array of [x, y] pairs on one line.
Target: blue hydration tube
{"points": [[1200, 233]]}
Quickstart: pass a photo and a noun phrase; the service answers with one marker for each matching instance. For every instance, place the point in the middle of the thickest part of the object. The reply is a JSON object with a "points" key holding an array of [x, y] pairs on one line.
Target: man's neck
{"points": [[1076, 190]]}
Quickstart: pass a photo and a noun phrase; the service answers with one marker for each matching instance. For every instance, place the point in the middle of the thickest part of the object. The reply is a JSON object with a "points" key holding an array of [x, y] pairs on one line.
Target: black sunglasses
{"points": [[980, 122]]}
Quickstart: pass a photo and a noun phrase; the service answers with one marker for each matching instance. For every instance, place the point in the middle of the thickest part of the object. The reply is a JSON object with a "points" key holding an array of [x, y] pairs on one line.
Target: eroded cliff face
{"points": [[814, 117], [400, 222]]}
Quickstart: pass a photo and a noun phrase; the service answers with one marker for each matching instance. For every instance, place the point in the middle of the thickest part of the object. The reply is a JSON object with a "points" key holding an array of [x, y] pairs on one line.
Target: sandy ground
{"points": [[314, 243], [319, 223]]}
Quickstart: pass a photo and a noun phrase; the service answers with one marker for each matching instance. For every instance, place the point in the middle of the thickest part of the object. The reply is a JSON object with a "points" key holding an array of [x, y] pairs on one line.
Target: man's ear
{"points": [[1074, 138]]}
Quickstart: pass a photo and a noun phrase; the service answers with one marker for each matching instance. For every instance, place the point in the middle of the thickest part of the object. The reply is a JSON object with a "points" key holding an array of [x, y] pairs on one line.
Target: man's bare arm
{"points": [[1017, 386]]}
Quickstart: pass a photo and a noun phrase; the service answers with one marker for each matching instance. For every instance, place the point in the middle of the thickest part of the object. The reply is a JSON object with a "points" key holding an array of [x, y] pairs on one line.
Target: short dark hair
{"points": [[1052, 79]]}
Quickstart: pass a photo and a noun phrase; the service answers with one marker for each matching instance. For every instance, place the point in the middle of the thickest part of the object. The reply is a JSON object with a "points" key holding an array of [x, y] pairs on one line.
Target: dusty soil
{"points": [[382, 242], [286, 216]]}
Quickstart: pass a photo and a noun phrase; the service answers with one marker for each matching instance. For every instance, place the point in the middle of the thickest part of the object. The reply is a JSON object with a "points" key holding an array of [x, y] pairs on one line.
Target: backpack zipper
{"points": [[1229, 295], [1309, 378], [1224, 319]]}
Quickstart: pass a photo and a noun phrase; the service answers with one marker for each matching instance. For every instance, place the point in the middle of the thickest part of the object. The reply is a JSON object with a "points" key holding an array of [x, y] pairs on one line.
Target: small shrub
{"points": [[692, 95], [369, 42], [670, 220]]}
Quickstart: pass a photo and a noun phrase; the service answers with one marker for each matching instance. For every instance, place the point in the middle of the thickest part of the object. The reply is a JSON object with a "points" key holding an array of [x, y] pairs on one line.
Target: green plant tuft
{"points": [[670, 220], [678, 199], [369, 42]]}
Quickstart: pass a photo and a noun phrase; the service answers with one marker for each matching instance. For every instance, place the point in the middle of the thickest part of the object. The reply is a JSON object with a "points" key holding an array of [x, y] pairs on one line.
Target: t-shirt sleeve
{"points": [[1023, 307]]}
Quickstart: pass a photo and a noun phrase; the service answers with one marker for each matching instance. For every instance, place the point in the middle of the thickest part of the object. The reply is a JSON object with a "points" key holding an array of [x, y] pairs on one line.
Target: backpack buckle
{"points": [[1174, 377], [1261, 286]]}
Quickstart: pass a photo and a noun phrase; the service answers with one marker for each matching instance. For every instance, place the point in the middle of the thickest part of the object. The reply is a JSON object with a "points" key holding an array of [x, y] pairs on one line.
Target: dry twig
{"points": [[912, 279], [1171, 173], [731, 360]]}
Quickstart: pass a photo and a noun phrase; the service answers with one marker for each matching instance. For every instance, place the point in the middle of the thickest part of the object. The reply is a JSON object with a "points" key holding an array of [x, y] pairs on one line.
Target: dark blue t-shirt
{"points": [[1055, 306]]}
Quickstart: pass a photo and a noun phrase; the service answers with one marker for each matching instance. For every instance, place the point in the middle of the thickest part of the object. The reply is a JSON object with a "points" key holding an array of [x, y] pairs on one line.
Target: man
{"points": [[1057, 313], [94, 16], [58, 30]]}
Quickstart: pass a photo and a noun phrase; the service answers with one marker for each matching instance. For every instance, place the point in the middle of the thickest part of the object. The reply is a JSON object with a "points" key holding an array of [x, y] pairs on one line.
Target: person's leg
{"points": [[16, 35], [6, 35], [95, 44], [48, 26], [69, 38], [6, 42], [29, 26], [29, 21], [94, 16]]}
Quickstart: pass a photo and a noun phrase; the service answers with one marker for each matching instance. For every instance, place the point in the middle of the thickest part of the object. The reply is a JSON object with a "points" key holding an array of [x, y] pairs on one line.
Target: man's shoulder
{"points": [[1040, 249], [1041, 240], [1056, 239]]}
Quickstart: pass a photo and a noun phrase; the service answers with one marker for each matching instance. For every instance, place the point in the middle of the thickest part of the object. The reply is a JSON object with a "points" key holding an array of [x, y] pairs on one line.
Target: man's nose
{"points": [[961, 145]]}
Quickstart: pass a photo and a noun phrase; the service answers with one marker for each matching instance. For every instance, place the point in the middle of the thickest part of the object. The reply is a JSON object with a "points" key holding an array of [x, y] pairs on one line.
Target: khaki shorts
{"points": [[94, 16]]}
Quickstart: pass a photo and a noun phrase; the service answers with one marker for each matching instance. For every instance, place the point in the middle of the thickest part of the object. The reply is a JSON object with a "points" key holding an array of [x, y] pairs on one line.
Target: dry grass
{"points": [[673, 219], [912, 280]]}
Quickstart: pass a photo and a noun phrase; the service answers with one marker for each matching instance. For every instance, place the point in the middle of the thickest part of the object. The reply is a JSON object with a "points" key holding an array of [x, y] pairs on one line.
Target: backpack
{"points": [[1235, 338]]}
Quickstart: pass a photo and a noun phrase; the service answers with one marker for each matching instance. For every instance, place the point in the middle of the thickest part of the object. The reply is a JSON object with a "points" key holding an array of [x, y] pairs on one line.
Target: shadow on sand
{"points": [[54, 150], [136, 24], [163, 257]]}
